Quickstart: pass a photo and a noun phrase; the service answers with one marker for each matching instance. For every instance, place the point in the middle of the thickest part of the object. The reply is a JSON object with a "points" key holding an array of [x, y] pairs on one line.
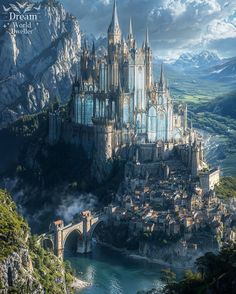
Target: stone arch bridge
{"points": [[58, 233]]}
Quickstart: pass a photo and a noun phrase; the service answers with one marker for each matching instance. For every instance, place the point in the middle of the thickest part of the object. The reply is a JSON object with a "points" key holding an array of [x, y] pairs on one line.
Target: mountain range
{"points": [[36, 67], [207, 63], [203, 60]]}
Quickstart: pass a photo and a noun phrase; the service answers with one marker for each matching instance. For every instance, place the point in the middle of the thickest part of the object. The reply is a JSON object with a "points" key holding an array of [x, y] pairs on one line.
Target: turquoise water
{"points": [[111, 272]]}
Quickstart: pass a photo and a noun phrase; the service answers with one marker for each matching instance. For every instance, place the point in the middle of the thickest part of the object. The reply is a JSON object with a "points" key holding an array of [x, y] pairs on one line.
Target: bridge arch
{"points": [[73, 241], [94, 226], [47, 243]]}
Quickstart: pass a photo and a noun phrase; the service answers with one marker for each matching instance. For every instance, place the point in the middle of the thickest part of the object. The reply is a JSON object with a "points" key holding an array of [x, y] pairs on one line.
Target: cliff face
{"points": [[38, 66], [16, 272], [25, 267]]}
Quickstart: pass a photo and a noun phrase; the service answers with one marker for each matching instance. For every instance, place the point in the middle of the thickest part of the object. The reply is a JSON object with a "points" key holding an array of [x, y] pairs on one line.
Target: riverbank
{"points": [[134, 255], [79, 284]]}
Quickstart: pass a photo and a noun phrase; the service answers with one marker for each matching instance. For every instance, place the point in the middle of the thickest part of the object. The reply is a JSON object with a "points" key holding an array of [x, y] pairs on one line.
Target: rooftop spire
{"points": [[147, 38], [162, 78], [130, 27], [114, 21], [93, 48]]}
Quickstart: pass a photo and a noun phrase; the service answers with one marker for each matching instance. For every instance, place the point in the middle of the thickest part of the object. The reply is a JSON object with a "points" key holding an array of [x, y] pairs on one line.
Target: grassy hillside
{"points": [[218, 119], [13, 229], [193, 86], [227, 188], [224, 105], [38, 265]]}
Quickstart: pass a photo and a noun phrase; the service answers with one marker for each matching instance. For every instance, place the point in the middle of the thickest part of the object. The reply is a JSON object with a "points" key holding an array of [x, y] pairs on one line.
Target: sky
{"points": [[175, 26]]}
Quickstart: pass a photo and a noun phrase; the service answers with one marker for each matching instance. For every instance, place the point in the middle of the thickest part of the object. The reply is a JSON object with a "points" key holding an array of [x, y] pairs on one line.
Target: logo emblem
{"points": [[21, 18]]}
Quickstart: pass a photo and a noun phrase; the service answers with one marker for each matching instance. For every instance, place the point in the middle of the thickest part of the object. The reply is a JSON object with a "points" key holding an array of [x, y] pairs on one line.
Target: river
{"points": [[112, 272]]}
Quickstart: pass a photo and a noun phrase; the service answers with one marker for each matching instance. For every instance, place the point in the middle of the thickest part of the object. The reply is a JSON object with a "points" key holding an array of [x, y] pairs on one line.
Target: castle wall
{"points": [[79, 135], [209, 179]]}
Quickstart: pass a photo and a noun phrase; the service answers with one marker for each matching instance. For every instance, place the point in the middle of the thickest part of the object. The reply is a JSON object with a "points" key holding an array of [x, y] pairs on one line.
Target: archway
{"points": [[161, 125], [48, 244], [96, 232], [73, 243], [152, 124]]}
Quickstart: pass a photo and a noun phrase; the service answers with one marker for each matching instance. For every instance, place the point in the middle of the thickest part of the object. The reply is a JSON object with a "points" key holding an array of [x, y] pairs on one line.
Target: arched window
{"points": [[138, 123], [78, 110], [161, 125], [152, 124], [144, 123], [126, 111], [88, 110]]}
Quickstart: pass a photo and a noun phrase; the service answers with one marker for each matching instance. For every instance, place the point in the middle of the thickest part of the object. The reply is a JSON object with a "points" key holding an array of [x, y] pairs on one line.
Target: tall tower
{"points": [[131, 41], [148, 61], [54, 121], [114, 50], [162, 83], [114, 32], [195, 166], [84, 62]]}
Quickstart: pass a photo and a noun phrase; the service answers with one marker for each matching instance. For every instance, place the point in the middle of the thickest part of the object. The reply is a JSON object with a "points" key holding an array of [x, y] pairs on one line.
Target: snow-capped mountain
{"points": [[37, 67], [204, 59], [225, 71]]}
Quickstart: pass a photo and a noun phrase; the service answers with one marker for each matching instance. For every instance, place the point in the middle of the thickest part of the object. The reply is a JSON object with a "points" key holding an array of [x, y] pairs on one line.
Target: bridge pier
{"points": [[58, 238], [85, 246]]}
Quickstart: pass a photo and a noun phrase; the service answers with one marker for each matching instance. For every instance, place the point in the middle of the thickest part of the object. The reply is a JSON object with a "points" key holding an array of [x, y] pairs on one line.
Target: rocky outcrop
{"points": [[16, 272], [39, 66], [25, 267]]}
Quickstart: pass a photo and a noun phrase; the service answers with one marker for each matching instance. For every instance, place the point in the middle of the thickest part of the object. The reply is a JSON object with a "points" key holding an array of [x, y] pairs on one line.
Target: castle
{"points": [[117, 109]]}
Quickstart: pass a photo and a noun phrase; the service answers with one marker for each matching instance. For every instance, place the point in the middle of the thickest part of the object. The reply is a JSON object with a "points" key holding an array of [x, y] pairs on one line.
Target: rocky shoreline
{"points": [[135, 255], [79, 284]]}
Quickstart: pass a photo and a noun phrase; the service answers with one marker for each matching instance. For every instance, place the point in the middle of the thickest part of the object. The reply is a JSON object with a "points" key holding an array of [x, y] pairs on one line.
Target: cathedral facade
{"points": [[119, 87]]}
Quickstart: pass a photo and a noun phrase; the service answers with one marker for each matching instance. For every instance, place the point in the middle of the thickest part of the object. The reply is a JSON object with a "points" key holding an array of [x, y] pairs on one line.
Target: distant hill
{"points": [[223, 105], [225, 71]]}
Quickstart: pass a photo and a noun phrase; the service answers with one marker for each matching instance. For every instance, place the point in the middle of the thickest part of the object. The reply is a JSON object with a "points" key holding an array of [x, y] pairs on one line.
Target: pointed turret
{"points": [[162, 82], [124, 46], [114, 25], [93, 49], [130, 28], [162, 78], [147, 39], [130, 35]]}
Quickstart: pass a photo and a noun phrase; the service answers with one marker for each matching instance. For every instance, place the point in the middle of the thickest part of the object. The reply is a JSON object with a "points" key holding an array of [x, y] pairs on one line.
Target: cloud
{"points": [[174, 25], [105, 2], [74, 204], [220, 29]]}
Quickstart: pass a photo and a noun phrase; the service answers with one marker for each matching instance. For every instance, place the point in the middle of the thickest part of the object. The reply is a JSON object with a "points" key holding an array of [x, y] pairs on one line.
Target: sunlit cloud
{"points": [[174, 25]]}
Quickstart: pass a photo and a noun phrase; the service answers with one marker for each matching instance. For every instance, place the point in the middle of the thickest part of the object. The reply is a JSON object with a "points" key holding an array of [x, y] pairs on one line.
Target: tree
{"points": [[167, 276]]}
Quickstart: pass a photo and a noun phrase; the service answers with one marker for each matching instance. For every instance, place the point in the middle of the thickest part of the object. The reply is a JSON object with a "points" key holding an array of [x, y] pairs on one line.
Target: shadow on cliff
{"points": [[42, 178]]}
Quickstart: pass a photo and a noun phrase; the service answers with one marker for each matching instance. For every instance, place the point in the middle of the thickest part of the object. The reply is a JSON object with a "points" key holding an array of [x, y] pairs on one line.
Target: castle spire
{"points": [[130, 35], [147, 38], [162, 78], [130, 28], [114, 21], [93, 48]]}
